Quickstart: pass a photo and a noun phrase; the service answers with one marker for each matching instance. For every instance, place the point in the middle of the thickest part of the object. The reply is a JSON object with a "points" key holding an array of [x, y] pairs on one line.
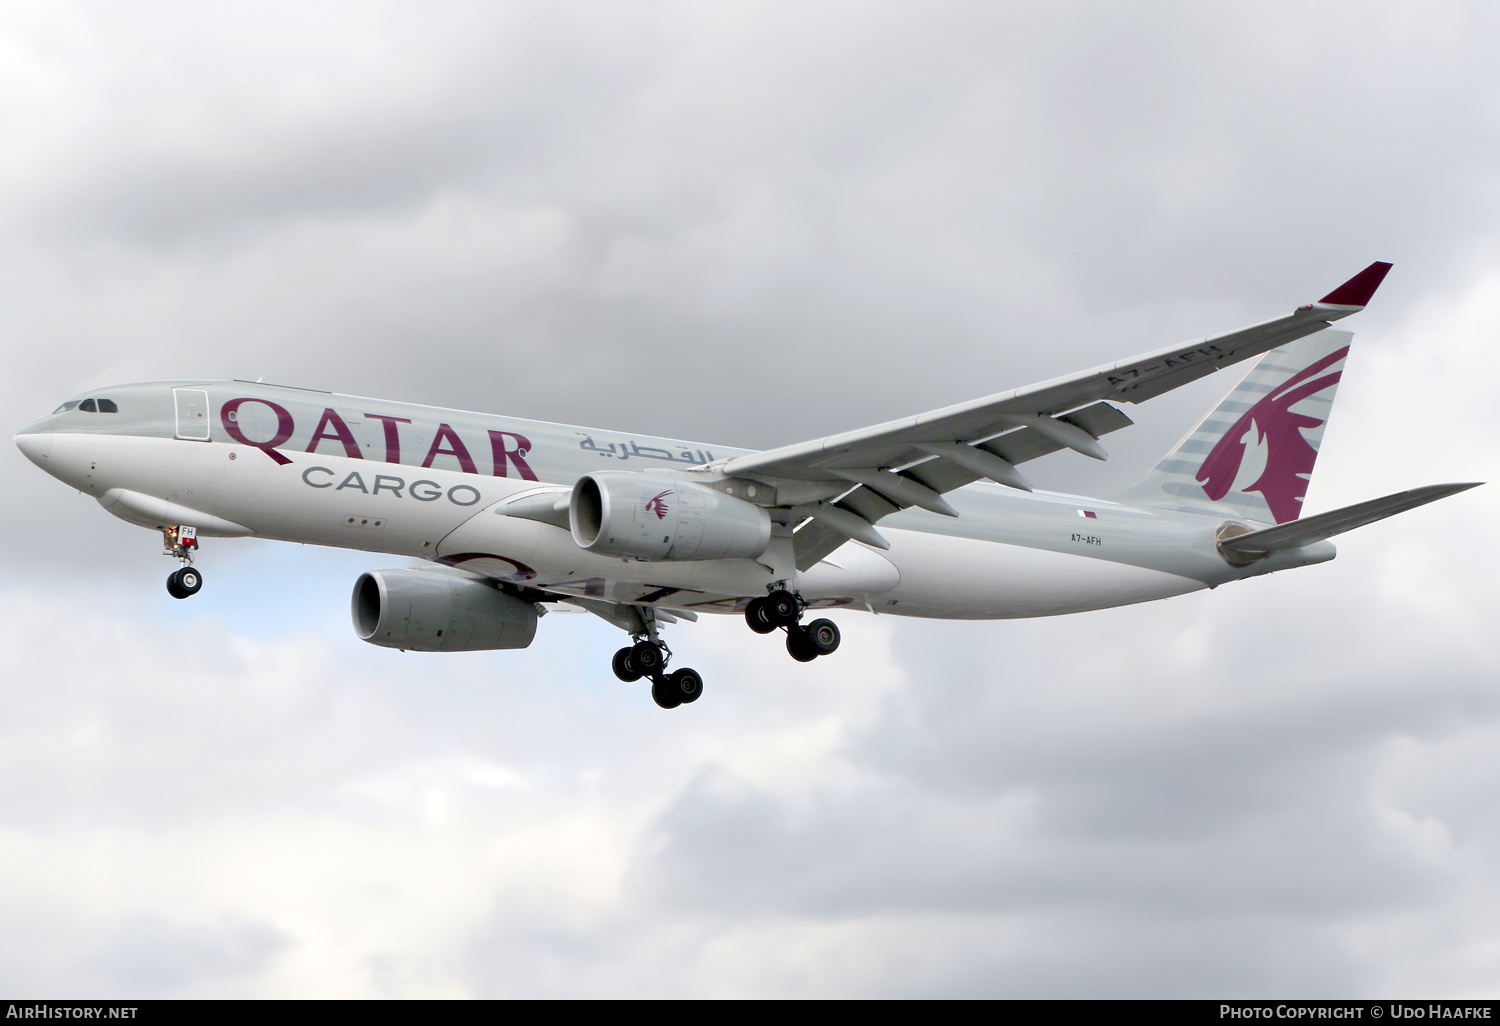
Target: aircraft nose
{"points": [[35, 442]]}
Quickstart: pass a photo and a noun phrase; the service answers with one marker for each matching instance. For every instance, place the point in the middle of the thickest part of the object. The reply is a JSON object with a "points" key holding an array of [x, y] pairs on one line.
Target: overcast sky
{"points": [[751, 224]]}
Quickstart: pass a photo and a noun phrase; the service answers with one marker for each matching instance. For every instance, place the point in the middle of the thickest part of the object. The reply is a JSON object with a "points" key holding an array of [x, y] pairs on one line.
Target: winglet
{"points": [[1358, 289]]}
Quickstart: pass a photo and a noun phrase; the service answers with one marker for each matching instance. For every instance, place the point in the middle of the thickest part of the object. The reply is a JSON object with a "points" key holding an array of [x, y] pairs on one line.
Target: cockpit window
{"points": [[90, 406]]}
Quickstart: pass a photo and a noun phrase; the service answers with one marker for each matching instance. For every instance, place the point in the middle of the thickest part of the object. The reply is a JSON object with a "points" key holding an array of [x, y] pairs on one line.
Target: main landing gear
{"points": [[648, 657], [180, 543], [781, 608]]}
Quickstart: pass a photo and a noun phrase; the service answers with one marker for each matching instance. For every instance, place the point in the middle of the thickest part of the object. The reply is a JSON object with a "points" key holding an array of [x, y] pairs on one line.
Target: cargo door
{"points": [[192, 413]]}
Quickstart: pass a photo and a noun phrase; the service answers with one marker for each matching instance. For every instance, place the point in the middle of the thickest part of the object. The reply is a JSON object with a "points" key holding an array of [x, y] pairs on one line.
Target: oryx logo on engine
{"points": [[658, 504]]}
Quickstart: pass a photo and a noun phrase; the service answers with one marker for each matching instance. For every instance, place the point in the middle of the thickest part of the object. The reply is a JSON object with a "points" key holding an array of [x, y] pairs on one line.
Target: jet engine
{"points": [[622, 513], [432, 611]]}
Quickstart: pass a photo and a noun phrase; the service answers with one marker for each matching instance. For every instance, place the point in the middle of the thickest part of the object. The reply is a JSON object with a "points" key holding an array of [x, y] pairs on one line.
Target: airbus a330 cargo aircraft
{"points": [[513, 515]]}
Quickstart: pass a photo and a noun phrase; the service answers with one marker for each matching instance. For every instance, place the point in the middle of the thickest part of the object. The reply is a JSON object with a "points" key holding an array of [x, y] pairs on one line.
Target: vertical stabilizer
{"points": [[1253, 455]]}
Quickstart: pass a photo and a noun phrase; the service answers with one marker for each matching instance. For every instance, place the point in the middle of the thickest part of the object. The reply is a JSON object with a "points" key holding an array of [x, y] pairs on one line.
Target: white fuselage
{"points": [[316, 468]]}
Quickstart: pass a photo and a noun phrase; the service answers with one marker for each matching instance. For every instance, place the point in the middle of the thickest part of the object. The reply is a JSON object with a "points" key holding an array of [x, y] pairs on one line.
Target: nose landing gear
{"points": [[184, 583], [180, 544]]}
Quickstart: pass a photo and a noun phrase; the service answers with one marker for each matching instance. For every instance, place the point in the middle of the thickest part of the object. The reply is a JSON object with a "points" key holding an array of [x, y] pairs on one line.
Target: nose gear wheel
{"points": [[184, 583], [180, 542]]}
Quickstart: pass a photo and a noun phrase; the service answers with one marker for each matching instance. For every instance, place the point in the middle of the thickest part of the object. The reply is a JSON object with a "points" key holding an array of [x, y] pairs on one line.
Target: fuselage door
{"points": [[192, 413]]}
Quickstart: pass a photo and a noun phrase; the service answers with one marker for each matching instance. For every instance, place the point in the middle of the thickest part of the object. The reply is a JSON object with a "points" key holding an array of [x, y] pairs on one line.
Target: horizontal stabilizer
{"points": [[1308, 530]]}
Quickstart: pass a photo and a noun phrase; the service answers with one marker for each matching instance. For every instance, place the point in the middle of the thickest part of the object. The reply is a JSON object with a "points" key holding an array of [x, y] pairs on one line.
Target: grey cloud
{"points": [[1223, 808]]}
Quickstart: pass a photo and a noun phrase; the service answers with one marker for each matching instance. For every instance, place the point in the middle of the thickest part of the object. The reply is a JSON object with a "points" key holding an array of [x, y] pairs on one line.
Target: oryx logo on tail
{"points": [[1254, 452], [1289, 456]]}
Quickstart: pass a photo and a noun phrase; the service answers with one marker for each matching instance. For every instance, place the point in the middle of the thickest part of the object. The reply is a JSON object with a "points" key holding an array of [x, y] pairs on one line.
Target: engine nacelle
{"points": [[431, 611], [623, 513]]}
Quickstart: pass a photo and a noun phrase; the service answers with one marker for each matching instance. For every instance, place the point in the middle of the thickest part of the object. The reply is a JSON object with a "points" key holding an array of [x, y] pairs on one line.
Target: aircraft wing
{"points": [[878, 470]]}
